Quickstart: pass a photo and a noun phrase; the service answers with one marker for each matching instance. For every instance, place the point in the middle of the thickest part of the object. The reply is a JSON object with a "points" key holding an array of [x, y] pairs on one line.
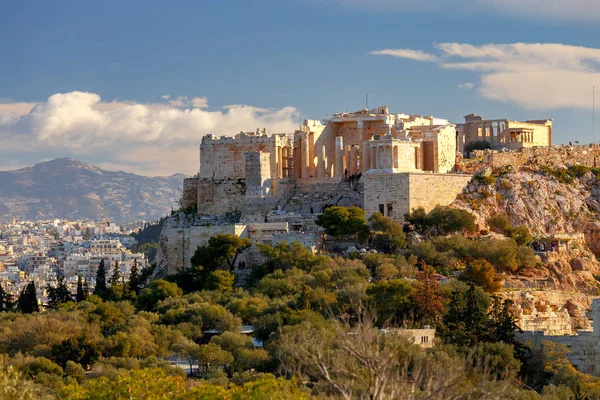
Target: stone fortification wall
{"points": [[179, 243], [189, 196], [429, 190], [219, 197], [229, 195], [258, 174], [585, 346], [545, 156], [445, 156], [223, 158], [397, 194]]}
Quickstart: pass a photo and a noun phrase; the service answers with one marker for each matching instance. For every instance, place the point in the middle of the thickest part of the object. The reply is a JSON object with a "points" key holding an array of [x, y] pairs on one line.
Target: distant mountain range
{"points": [[67, 188]]}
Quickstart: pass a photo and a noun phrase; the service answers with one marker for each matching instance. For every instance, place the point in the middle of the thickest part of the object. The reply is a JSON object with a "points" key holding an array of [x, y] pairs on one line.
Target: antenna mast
{"points": [[594, 115]]}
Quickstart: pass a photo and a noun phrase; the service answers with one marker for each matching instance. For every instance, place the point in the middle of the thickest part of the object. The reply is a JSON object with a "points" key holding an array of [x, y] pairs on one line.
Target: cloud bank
{"points": [[152, 139], [539, 76]]}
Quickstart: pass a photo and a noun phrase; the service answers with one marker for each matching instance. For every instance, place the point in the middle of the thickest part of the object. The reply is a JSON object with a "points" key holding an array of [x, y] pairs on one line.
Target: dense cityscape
{"points": [[42, 250]]}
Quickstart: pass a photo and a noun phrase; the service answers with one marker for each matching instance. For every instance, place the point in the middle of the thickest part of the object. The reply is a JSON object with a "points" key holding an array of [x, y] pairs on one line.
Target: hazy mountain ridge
{"points": [[67, 188]]}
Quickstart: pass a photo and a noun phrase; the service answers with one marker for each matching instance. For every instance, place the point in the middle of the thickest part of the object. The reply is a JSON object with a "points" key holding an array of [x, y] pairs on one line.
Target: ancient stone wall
{"points": [[445, 156], [189, 196], [396, 194], [585, 346], [258, 174], [429, 190], [542, 156], [223, 158], [548, 156], [219, 197]]}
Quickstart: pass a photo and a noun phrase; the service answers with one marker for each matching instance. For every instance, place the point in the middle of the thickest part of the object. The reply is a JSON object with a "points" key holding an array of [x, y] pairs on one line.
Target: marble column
{"points": [[339, 156]]}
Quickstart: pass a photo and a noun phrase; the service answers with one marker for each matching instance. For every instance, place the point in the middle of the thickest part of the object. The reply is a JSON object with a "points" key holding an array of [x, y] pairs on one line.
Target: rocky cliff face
{"points": [[549, 201], [66, 188], [531, 196]]}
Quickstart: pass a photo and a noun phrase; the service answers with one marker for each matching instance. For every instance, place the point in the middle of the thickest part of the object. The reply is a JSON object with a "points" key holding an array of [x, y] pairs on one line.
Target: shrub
{"points": [[442, 220]]}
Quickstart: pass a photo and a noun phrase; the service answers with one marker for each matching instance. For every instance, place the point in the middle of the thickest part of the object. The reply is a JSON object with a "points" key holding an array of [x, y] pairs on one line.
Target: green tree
{"points": [[115, 279], [501, 223], [100, 289], [60, 294], [158, 290], [503, 326], [211, 356], [80, 295], [6, 300], [28, 302], [392, 301], [135, 284], [220, 280], [77, 349], [386, 234], [483, 274], [466, 322], [442, 220], [342, 222], [220, 249], [446, 220]]}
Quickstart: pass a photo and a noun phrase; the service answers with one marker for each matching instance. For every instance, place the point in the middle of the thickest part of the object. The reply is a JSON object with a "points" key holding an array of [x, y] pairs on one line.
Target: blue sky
{"points": [[135, 85]]}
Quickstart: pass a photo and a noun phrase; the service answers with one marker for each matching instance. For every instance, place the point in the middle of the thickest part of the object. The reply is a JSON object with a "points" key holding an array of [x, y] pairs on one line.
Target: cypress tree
{"points": [[86, 289], [80, 296], [134, 278], [58, 295], [100, 289], [116, 275], [6, 302], [27, 301]]}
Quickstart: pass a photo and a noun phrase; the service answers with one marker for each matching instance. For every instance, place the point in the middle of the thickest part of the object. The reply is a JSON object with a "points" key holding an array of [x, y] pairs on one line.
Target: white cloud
{"points": [[531, 75], [551, 10], [466, 85], [416, 55], [199, 102], [184, 102], [158, 138]]}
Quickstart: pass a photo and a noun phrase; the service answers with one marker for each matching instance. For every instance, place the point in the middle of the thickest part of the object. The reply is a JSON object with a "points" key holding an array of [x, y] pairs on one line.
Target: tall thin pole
{"points": [[594, 114], [367, 101]]}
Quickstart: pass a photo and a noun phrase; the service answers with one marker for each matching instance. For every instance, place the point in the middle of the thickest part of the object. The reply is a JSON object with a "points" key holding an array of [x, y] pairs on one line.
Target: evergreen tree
{"points": [[466, 322], [81, 296], [6, 301], [86, 289], [27, 301], [58, 295], [134, 283], [115, 279], [100, 289]]}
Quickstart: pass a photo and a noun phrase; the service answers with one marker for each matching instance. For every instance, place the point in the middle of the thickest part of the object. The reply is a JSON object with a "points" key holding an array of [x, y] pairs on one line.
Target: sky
{"points": [[134, 85]]}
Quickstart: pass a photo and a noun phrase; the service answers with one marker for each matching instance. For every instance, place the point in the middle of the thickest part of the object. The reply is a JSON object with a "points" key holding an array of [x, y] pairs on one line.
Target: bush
{"points": [[442, 220]]}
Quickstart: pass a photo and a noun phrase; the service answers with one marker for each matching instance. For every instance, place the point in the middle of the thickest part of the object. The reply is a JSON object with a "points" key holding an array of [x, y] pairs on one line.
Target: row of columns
{"points": [[347, 158], [523, 137], [284, 157], [384, 156]]}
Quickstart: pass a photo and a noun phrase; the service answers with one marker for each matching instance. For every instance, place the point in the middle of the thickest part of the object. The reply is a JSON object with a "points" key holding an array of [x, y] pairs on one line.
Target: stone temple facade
{"points": [[504, 133], [269, 187], [255, 171]]}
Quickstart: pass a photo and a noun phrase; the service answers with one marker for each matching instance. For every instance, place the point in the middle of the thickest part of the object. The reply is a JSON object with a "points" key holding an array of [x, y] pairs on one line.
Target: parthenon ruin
{"points": [[380, 161]]}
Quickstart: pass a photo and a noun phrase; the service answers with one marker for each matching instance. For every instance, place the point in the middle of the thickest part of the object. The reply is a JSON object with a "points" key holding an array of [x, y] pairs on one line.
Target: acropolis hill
{"points": [[270, 187]]}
